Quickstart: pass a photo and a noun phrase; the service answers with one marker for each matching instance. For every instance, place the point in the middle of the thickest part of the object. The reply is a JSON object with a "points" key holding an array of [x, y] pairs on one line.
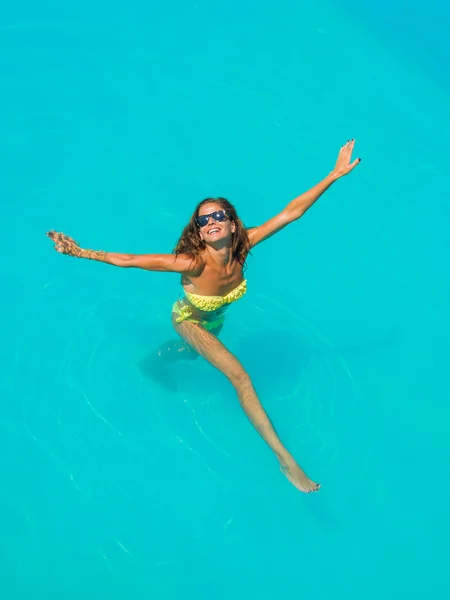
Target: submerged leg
{"points": [[156, 365], [176, 350], [208, 346]]}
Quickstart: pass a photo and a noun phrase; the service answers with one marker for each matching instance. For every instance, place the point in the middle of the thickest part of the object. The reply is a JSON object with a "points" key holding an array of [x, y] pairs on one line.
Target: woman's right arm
{"points": [[151, 262]]}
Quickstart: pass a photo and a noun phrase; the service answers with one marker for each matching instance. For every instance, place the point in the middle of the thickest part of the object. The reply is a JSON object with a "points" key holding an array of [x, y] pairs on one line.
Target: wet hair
{"points": [[191, 243]]}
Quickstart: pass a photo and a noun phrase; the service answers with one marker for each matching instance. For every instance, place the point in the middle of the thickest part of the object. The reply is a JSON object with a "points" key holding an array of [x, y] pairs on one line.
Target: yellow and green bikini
{"points": [[183, 307]]}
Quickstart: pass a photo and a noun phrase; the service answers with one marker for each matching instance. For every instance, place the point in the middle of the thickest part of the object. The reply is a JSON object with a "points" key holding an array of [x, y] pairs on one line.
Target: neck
{"points": [[221, 256]]}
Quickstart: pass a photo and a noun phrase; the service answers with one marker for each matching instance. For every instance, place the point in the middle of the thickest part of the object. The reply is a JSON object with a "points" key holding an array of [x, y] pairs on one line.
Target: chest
{"points": [[214, 281]]}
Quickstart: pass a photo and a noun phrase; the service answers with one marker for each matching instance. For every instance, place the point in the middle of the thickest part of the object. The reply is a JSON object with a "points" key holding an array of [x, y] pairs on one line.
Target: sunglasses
{"points": [[217, 215]]}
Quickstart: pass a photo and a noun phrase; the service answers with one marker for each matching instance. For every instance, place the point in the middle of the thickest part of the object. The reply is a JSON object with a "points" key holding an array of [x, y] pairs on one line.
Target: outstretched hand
{"points": [[343, 164], [64, 244]]}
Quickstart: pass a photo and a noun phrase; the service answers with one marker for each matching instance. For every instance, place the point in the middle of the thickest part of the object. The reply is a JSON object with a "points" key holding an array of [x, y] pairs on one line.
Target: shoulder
{"points": [[188, 265], [252, 233]]}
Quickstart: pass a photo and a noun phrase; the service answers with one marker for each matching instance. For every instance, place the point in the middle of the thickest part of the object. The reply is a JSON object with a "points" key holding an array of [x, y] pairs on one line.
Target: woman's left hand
{"points": [[343, 164]]}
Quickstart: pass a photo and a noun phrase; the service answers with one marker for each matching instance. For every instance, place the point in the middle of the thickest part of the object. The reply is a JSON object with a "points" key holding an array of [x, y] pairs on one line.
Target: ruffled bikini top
{"points": [[211, 303]]}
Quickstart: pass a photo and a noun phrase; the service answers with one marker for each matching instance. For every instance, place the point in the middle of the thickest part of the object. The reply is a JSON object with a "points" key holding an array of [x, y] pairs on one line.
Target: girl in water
{"points": [[210, 256]]}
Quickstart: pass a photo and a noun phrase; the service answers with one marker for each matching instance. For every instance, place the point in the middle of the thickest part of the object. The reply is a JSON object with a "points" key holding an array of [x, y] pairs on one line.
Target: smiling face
{"points": [[215, 230]]}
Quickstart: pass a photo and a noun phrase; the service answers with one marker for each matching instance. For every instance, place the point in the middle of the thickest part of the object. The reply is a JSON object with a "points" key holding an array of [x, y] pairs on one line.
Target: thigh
{"points": [[211, 348], [175, 350]]}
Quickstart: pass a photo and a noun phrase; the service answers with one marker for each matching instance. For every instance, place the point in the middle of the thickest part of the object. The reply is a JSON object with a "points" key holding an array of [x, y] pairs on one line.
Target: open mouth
{"points": [[214, 230]]}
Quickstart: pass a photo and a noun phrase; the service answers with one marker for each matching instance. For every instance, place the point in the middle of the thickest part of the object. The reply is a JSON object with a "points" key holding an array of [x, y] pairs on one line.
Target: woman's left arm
{"points": [[295, 209]]}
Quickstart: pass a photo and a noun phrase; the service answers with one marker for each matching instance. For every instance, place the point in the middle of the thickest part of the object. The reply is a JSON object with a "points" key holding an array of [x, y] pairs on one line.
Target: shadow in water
{"points": [[276, 360]]}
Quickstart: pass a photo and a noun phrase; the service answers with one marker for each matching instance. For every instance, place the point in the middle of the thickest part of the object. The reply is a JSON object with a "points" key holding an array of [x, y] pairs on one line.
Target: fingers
{"points": [[55, 235], [344, 164], [63, 243], [348, 147], [345, 152], [60, 238]]}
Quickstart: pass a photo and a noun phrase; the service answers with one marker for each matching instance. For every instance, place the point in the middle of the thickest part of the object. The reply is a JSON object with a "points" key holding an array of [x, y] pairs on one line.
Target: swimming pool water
{"points": [[116, 119]]}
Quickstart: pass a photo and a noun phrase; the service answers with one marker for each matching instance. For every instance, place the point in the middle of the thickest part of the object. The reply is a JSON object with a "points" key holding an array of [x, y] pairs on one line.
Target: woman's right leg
{"points": [[208, 346], [157, 365]]}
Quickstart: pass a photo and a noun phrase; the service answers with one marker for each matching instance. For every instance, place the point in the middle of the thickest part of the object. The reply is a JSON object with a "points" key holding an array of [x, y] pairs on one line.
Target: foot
{"points": [[298, 478]]}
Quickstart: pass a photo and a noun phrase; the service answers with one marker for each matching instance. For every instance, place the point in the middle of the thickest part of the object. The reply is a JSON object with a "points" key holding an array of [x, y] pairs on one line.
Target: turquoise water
{"points": [[116, 119]]}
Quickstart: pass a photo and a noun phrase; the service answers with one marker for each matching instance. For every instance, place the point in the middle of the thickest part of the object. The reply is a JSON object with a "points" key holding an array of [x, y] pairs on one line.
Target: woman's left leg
{"points": [[212, 349]]}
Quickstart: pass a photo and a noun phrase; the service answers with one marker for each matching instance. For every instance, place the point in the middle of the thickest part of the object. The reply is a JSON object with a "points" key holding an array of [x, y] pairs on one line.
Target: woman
{"points": [[210, 256]]}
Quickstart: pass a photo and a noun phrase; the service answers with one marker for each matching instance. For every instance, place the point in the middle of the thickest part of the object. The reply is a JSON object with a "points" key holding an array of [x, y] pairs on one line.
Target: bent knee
{"points": [[239, 377]]}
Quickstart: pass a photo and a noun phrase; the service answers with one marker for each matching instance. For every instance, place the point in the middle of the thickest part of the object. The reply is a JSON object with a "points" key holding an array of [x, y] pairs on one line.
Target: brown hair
{"points": [[191, 243]]}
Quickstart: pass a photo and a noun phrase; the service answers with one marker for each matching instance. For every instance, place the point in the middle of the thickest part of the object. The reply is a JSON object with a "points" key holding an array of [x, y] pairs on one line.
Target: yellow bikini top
{"points": [[211, 303]]}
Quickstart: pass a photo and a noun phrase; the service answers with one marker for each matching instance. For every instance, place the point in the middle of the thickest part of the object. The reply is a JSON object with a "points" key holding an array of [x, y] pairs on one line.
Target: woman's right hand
{"points": [[65, 244]]}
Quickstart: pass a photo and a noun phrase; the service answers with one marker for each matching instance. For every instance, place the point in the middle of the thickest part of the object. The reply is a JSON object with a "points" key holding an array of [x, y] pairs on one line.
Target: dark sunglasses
{"points": [[217, 215]]}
